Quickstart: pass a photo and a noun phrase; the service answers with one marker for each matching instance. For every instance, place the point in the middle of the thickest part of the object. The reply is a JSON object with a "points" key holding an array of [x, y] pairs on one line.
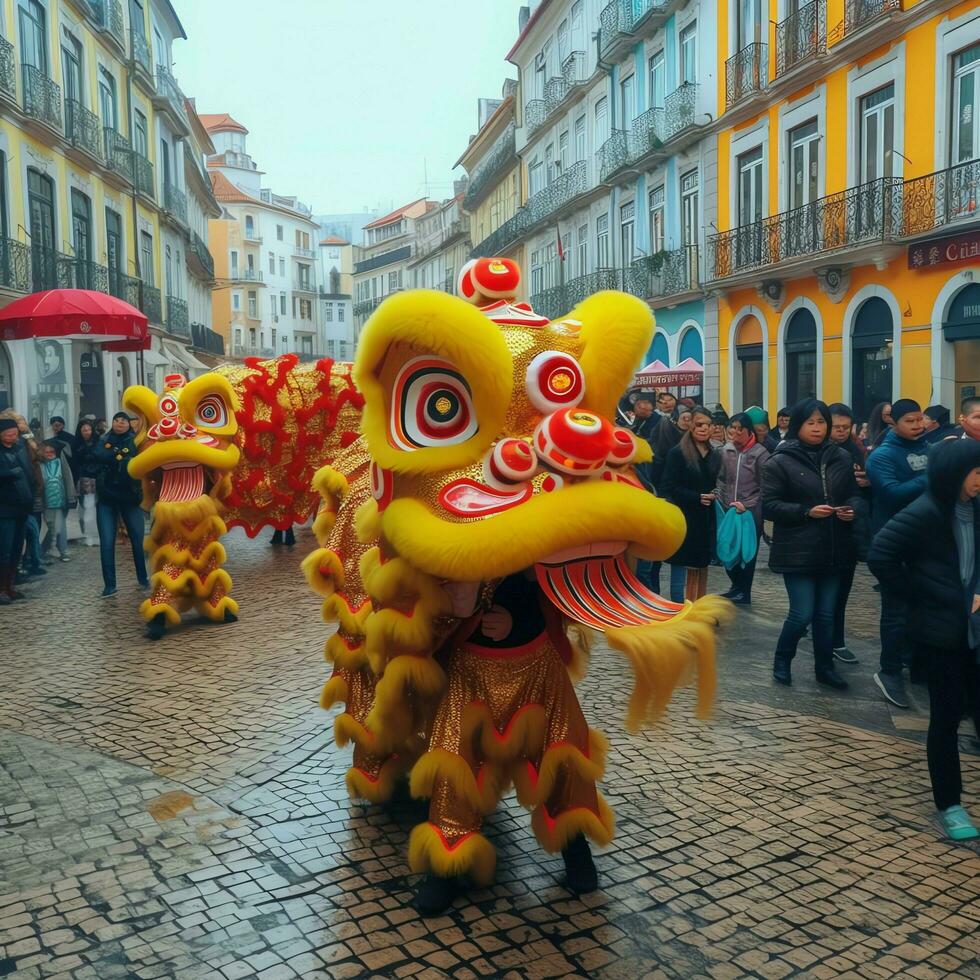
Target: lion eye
{"points": [[431, 406], [212, 411]]}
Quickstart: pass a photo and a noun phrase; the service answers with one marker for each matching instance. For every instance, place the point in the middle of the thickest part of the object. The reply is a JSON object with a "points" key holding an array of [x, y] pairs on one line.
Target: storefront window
{"points": [[962, 330], [871, 357], [801, 357]]}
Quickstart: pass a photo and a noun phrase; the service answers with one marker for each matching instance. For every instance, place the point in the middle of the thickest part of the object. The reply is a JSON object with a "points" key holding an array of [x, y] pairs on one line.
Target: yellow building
{"points": [[95, 141], [847, 235]]}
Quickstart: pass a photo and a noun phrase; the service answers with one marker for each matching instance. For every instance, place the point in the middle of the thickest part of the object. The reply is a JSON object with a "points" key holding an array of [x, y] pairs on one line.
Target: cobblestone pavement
{"points": [[175, 810]]}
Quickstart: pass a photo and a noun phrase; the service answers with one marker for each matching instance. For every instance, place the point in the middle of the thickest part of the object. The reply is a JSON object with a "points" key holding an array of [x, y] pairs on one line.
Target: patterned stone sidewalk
{"points": [[175, 810]]}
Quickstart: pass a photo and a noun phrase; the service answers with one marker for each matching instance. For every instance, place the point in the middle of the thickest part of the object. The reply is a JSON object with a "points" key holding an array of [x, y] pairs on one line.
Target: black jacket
{"points": [[683, 486], [915, 555], [793, 482], [84, 461], [16, 481], [113, 484]]}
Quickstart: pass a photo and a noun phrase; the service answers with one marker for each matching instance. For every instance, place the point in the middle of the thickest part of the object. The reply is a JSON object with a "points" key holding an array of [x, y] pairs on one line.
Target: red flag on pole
{"points": [[561, 248]]}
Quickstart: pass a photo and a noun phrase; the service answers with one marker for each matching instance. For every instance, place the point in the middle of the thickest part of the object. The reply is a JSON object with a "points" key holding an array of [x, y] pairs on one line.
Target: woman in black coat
{"points": [[810, 495], [689, 478], [929, 553]]}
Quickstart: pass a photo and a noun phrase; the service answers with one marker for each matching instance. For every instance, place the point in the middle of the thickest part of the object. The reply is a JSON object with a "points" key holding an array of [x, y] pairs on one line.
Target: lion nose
{"points": [[574, 441]]}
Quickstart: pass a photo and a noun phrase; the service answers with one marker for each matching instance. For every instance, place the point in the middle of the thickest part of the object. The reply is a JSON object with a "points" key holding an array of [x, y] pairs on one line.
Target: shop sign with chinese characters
{"points": [[945, 251]]}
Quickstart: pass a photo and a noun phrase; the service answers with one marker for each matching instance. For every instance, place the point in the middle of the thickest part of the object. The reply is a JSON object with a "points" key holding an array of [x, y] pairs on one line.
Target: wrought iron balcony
{"points": [[368, 306], [621, 19], [868, 214], [118, 154], [200, 259], [502, 155], [125, 287], [801, 37], [178, 322], [614, 154], [679, 271], [15, 265], [303, 253], [175, 202], [207, 340], [109, 17], [535, 114], [249, 236], [51, 269], [143, 175], [304, 286], [646, 134], [140, 50], [42, 97], [555, 92], [8, 71], [946, 197], [83, 129], [556, 301], [169, 94], [680, 109], [245, 275], [557, 194], [746, 73], [573, 68], [859, 14], [250, 350], [498, 241], [151, 303]]}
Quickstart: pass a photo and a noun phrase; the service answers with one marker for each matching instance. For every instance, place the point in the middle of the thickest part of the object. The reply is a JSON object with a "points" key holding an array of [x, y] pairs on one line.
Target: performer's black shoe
{"points": [[433, 894], [290, 538], [230, 617], [781, 670], [157, 627], [830, 678], [276, 537], [580, 872]]}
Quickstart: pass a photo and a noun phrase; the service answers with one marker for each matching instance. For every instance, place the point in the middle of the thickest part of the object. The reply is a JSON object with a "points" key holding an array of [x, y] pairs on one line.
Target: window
{"points": [[282, 304], [658, 80], [249, 227], [107, 99], [115, 254], [581, 147], [272, 264], [71, 70], [602, 241], [690, 210], [33, 35], [141, 141], [689, 54], [750, 208], [253, 312], [549, 156], [563, 160], [340, 314], [146, 257], [878, 134], [81, 239], [804, 173], [273, 310], [577, 21], [535, 178], [627, 101], [966, 88], [282, 267], [627, 231], [279, 232], [871, 356], [541, 72], [563, 48], [800, 346], [601, 122], [307, 344], [657, 228], [234, 264], [236, 301], [328, 313], [238, 336], [750, 23], [537, 273], [394, 281], [583, 250], [166, 167]]}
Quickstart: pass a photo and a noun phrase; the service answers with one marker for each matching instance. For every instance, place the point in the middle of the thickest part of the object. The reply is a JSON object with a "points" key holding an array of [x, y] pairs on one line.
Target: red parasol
{"points": [[76, 314]]}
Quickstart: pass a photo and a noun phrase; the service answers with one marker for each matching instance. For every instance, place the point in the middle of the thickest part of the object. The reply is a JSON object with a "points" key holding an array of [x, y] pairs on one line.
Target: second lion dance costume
{"points": [[487, 510]]}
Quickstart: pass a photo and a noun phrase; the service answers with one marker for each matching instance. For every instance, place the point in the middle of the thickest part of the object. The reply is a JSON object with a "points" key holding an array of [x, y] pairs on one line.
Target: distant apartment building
{"points": [[442, 246], [349, 226], [266, 255], [336, 306]]}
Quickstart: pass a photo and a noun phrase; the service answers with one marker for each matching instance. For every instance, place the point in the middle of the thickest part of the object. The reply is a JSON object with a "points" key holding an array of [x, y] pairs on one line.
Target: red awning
{"points": [[76, 314]]}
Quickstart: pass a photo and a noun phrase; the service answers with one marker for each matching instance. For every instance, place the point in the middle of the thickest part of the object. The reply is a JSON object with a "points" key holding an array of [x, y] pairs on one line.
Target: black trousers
{"points": [[840, 608], [954, 688]]}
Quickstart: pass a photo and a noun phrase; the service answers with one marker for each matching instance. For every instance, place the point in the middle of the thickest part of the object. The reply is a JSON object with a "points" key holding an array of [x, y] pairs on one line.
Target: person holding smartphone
{"points": [[810, 494]]}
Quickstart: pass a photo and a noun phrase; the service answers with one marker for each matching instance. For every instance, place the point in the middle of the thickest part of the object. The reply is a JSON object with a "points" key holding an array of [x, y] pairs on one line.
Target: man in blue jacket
{"points": [[897, 473]]}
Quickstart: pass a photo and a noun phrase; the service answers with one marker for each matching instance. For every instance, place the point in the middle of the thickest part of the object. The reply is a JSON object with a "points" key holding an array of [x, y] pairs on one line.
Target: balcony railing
{"points": [[535, 114], [246, 275], [51, 269], [746, 73], [8, 71], [83, 129], [620, 19], [557, 194], [367, 306], [573, 68], [200, 254], [140, 49], [499, 240], [801, 36], [15, 265], [679, 271], [178, 322], [175, 202], [943, 198], [680, 109], [614, 154], [303, 253], [556, 301], [207, 340], [42, 97], [304, 286], [863, 215], [118, 153], [169, 91], [151, 303], [249, 235], [246, 350], [861, 13], [127, 288], [647, 133], [143, 175], [109, 16], [502, 154]]}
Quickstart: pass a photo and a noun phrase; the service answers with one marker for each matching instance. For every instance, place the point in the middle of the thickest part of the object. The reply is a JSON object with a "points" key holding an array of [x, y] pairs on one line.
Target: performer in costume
{"points": [[487, 450]]}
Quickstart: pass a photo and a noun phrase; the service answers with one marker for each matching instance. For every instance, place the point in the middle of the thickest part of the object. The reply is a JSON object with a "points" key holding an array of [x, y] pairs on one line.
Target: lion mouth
{"points": [[181, 481]]}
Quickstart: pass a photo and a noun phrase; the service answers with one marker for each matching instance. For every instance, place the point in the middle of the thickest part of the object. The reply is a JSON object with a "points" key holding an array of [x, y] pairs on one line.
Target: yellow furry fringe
{"points": [[346, 729], [339, 653], [330, 484], [189, 581], [217, 613], [482, 794], [324, 571], [580, 638], [164, 530], [394, 580], [184, 512], [523, 737], [367, 521], [148, 611], [667, 655], [406, 680], [334, 692], [361, 786], [182, 557], [554, 833], [533, 792], [473, 855], [353, 621]]}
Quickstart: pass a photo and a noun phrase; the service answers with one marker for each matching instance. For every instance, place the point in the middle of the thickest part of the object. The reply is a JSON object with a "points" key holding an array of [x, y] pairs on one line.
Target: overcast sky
{"points": [[349, 103]]}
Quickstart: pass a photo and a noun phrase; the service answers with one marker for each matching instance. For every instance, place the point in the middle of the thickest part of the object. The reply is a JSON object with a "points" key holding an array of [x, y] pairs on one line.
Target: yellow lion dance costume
{"points": [[489, 503]]}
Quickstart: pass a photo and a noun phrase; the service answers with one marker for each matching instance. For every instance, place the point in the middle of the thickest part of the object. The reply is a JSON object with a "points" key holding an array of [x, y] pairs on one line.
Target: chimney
{"points": [[523, 16]]}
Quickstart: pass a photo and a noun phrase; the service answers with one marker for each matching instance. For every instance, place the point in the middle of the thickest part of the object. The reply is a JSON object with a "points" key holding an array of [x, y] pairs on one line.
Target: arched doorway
{"points": [[800, 349], [691, 346], [872, 342], [124, 380], [6, 379], [659, 351], [961, 329], [750, 354]]}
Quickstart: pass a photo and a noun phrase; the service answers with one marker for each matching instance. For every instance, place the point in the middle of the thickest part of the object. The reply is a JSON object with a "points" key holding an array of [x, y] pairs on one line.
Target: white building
{"points": [[443, 245], [336, 306]]}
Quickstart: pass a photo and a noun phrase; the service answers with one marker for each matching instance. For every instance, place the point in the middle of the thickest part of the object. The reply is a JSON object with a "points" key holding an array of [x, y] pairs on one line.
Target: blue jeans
{"points": [[812, 599], [678, 582], [648, 572], [893, 629], [107, 518], [11, 539], [32, 538]]}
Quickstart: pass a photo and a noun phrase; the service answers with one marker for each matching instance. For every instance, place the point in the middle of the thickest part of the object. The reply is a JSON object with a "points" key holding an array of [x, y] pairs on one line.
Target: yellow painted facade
{"points": [[761, 276]]}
